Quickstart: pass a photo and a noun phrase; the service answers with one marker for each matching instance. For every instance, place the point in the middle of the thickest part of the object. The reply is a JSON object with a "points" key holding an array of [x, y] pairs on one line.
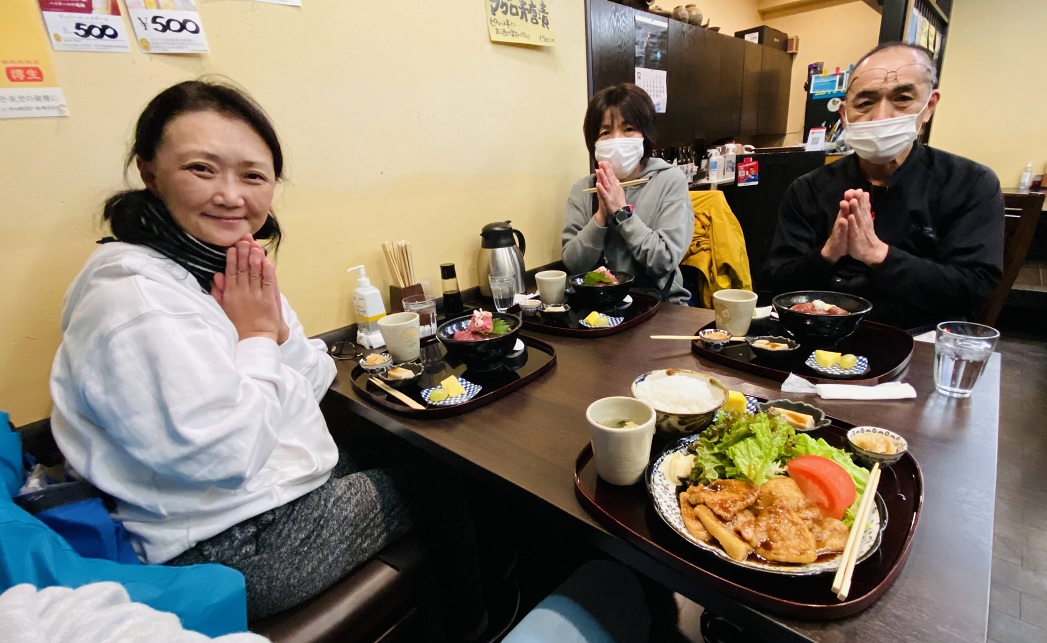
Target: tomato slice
{"points": [[826, 484]]}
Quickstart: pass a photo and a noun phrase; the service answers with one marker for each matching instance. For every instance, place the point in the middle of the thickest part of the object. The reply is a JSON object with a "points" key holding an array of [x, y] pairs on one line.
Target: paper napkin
{"points": [[887, 391]]}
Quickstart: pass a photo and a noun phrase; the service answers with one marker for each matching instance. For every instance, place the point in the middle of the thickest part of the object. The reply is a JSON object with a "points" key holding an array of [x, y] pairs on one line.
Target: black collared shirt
{"points": [[941, 216]]}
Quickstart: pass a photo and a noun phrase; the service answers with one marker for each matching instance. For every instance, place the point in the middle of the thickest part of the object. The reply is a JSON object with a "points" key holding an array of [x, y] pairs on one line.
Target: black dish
{"points": [[769, 353], [600, 298], [480, 355], [820, 330]]}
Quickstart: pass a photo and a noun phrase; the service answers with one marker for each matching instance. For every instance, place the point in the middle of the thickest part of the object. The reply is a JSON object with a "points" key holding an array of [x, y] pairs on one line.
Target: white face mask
{"points": [[623, 154], [882, 141]]}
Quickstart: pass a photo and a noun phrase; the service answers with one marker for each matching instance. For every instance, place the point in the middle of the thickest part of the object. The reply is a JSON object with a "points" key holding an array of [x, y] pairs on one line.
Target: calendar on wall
{"points": [[652, 81]]}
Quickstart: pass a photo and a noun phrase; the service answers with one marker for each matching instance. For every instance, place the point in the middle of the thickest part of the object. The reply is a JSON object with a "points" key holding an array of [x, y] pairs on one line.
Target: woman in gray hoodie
{"points": [[644, 229]]}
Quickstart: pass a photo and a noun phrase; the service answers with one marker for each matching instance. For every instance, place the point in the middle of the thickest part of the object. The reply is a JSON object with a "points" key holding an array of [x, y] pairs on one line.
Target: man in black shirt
{"points": [[917, 231]]}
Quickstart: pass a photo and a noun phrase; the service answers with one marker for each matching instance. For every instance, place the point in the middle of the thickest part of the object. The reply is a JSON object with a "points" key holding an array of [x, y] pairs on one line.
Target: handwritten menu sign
{"points": [[85, 25], [167, 26], [519, 21], [28, 85]]}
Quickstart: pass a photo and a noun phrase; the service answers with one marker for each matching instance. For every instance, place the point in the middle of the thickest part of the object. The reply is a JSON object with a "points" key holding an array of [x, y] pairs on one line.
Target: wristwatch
{"points": [[622, 215]]}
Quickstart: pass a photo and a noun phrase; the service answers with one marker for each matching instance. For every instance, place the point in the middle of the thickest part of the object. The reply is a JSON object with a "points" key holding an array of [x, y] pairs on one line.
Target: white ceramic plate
{"points": [[666, 500]]}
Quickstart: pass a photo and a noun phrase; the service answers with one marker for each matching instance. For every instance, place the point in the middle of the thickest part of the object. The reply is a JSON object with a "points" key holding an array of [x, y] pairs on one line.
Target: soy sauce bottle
{"points": [[452, 295]]}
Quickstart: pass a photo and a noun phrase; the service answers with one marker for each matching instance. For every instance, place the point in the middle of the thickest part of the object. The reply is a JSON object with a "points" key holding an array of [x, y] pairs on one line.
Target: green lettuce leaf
{"points": [[593, 278]]}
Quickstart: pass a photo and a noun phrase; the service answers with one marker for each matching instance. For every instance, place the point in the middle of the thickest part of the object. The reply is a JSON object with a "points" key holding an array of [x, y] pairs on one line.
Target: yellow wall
{"points": [[992, 107], [729, 15], [405, 124], [837, 36]]}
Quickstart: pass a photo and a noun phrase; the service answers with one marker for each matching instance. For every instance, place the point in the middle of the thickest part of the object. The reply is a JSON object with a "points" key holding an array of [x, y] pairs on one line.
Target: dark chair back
{"points": [[1021, 214]]}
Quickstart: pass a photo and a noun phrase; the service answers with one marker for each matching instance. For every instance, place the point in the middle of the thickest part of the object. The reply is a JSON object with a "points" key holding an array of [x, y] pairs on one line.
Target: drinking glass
{"points": [[425, 306], [961, 350], [503, 290]]}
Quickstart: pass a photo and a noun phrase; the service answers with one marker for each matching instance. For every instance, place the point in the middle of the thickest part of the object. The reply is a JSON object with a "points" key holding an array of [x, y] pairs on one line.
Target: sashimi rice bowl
{"points": [[684, 401]]}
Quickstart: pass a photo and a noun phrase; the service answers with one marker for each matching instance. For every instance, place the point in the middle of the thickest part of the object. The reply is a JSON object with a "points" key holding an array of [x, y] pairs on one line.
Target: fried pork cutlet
{"points": [[726, 497], [690, 521], [782, 535]]}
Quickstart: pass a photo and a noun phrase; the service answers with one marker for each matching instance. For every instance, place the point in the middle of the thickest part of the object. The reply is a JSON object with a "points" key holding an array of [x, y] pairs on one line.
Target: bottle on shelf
{"points": [[1025, 182], [451, 293]]}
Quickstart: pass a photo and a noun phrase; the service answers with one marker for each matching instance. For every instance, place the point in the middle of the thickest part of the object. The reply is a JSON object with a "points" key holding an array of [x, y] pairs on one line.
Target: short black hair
{"points": [[184, 98], [635, 106], [932, 66]]}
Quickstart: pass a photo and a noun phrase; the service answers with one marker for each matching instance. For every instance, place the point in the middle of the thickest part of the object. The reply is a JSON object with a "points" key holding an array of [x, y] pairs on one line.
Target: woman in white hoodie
{"points": [[644, 229], [185, 386]]}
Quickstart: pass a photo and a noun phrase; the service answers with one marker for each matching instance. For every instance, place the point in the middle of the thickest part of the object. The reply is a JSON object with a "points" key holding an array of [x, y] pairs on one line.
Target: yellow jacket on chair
{"points": [[717, 248]]}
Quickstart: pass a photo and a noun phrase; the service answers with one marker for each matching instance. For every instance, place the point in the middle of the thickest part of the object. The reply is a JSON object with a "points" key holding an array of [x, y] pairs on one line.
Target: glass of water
{"points": [[961, 350], [503, 290]]}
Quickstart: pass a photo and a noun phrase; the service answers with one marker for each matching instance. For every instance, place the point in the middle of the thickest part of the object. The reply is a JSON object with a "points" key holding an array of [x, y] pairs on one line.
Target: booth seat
{"points": [[379, 601]]}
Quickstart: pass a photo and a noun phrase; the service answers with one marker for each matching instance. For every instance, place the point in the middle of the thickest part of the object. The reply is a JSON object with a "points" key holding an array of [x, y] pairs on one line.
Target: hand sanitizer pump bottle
{"points": [[369, 308]]}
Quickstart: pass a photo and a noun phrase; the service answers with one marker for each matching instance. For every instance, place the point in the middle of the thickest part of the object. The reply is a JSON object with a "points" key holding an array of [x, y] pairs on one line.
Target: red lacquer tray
{"points": [[887, 348], [628, 512]]}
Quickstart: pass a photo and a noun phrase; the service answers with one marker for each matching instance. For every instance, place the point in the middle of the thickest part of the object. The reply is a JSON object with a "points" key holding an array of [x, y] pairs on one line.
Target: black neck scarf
{"points": [[139, 217]]}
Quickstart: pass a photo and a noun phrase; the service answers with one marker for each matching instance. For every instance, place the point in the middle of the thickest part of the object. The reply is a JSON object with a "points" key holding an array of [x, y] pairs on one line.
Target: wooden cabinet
{"points": [[718, 85]]}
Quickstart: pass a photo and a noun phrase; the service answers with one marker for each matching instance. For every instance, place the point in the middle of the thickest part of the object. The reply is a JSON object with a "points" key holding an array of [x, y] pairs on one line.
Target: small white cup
{"points": [[551, 286], [734, 310], [621, 454], [400, 332]]}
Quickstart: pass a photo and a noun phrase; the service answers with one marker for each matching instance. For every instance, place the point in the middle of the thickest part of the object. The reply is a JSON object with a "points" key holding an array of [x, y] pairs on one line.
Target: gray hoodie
{"points": [[650, 244]]}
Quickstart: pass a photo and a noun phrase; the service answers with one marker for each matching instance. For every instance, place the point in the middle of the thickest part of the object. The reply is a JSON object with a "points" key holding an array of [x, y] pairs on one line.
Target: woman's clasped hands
{"points": [[853, 232], [610, 192], [249, 294]]}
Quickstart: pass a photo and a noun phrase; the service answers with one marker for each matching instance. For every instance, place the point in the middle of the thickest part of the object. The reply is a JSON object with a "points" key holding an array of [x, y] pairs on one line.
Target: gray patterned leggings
{"points": [[293, 552]]}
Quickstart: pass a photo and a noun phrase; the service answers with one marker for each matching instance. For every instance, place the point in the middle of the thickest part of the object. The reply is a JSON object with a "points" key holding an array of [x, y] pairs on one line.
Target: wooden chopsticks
{"points": [[849, 557], [692, 337], [400, 257], [397, 394], [624, 184]]}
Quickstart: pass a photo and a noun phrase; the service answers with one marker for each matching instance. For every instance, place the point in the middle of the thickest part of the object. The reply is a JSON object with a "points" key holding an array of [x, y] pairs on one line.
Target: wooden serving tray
{"points": [[887, 348], [541, 357], [643, 308], [628, 512]]}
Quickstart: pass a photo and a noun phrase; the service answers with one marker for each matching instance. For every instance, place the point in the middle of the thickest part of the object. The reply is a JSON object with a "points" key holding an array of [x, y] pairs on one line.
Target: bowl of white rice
{"points": [[685, 401]]}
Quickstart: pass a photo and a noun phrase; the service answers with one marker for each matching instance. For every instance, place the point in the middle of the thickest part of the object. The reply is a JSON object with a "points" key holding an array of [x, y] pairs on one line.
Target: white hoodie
{"points": [[158, 403]]}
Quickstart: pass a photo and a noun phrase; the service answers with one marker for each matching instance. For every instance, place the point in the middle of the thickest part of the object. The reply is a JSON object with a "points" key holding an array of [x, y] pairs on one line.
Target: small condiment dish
{"points": [[530, 306], [867, 456], [414, 367], [555, 312], [790, 345], [714, 338], [381, 364], [820, 421]]}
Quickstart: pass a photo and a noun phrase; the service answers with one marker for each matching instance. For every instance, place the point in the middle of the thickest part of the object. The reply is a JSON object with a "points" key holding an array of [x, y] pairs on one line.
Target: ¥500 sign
{"points": [[82, 25], [167, 31]]}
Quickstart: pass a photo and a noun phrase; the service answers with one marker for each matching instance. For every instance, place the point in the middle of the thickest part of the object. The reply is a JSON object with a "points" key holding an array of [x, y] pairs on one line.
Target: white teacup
{"points": [[551, 286], [734, 310], [400, 332], [621, 454]]}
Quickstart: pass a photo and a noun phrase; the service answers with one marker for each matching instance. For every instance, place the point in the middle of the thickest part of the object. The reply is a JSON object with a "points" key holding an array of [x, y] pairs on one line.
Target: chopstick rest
{"points": [[849, 557]]}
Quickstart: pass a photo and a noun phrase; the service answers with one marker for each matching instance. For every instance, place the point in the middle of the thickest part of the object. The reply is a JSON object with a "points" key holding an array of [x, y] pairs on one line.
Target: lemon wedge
{"points": [[826, 359], [848, 361], [735, 402]]}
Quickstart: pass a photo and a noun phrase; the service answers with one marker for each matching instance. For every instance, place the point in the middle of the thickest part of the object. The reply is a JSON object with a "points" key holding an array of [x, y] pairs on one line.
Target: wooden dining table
{"points": [[528, 442]]}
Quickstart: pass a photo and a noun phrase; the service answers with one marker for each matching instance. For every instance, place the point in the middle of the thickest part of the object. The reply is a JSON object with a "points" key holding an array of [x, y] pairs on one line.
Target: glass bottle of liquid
{"points": [[452, 295]]}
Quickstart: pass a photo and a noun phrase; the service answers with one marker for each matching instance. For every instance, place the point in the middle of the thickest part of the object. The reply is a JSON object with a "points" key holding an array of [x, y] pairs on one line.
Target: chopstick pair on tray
{"points": [[849, 557], [624, 184]]}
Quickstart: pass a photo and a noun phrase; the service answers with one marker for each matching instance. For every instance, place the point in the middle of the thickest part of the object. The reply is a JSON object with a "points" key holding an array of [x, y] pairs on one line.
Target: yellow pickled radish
{"points": [[848, 361], [826, 359], [735, 402]]}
